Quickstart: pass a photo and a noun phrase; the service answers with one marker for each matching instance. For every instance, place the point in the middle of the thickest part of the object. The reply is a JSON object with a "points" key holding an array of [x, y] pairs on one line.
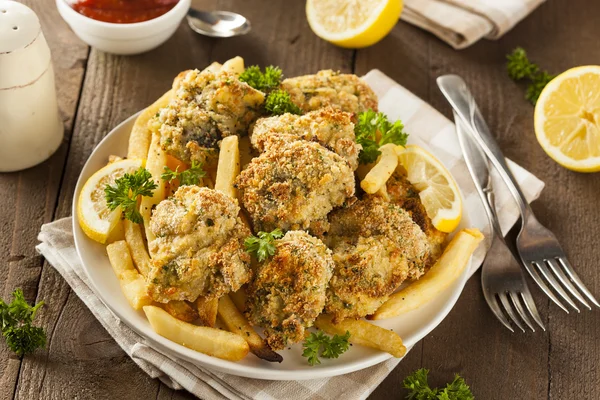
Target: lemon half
{"points": [[353, 23], [437, 189], [567, 119]]}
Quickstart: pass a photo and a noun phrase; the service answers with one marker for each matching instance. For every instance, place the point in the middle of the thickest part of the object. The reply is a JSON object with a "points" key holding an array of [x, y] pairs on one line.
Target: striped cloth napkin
{"points": [[460, 23], [429, 129]]}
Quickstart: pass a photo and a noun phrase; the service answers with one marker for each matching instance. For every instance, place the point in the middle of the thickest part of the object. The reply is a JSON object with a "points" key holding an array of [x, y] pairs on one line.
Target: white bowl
{"points": [[133, 38]]}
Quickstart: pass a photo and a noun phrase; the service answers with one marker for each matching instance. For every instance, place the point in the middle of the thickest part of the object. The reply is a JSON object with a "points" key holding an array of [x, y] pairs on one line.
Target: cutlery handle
{"points": [[462, 101]]}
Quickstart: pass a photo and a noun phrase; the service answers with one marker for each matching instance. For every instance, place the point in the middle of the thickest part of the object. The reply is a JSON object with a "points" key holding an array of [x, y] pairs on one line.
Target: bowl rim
{"points": [[64, 5]]}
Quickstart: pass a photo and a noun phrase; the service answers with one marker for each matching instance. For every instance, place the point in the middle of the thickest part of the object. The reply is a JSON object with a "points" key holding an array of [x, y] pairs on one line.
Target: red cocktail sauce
{"points": [[123, 11]]}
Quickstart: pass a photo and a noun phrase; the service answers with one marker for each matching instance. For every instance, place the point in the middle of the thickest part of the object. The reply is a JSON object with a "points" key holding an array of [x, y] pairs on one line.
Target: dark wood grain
{"points": [[82, 361]]}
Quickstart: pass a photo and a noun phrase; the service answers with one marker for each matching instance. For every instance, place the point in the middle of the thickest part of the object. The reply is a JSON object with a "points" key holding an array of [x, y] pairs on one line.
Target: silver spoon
{"points": [[219, 24]]}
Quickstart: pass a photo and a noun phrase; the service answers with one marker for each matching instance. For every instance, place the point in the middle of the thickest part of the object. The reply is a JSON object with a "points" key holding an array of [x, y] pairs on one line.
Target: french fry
{"points": [[132, 283], [364, 333], [234, 65], [381, 172], [446, 270], [211, 341], [237, 323], [229, 166], [155, 164], [207, 311], [181, 310], [140, 137], [118, 233], [135, 240], [239, 299]]}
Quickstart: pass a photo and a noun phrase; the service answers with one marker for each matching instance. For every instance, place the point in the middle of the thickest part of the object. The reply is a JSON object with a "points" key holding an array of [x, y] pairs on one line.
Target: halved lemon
{"points": [[567, 119], [353, 23], [437, 189], [95, 218]]}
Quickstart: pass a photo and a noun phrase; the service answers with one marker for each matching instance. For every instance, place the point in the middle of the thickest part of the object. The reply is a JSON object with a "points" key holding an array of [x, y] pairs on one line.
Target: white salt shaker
{"points": [[30, 125]]}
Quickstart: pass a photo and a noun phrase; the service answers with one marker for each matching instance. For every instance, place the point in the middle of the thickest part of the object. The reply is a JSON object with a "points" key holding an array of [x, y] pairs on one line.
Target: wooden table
{"points": [[97, 91]]}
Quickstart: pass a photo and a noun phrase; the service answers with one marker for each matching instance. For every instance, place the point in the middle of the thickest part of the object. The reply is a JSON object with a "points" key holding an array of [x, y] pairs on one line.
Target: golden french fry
{"points": [[207, 311], [135, 240], [132, 283], [118, 233], [235, 322], [446, 270], [155, 164], [211, 341], [234, 65], [140, 137], [239, 299], [381, 172], [229, 166], [364, 333], [181, 310]]}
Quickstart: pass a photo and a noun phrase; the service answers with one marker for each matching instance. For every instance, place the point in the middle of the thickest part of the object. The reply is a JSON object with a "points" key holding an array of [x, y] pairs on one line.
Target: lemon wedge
{"points": [[437, 189], [567, 119], [95, 218], [353, 23]]}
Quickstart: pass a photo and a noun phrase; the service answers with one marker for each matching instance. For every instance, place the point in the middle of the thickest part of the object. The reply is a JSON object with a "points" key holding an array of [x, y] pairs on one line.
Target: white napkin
{"points": [[427, 128], [460, 23]]}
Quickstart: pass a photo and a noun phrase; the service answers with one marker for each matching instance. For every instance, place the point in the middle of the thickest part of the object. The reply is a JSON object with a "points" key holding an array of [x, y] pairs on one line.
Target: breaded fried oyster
{"points": [[327, 126], [289, 290], [199, 246], [376, 246], [294, 186], [329, 88], [207, 107]]}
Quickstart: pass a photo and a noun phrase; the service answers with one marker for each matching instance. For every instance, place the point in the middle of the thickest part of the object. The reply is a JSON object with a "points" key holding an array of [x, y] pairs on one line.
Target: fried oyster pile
{"points": [[343, 252]]}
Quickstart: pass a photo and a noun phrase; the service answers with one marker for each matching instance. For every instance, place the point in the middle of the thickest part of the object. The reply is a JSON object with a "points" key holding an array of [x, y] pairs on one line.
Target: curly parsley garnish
{"points": [[371, 122], [15, 319], [263, 81], [262, 246], [520, 68], [126, 190], [279, 102], [418, 388], [189, 177], [319, 344]]}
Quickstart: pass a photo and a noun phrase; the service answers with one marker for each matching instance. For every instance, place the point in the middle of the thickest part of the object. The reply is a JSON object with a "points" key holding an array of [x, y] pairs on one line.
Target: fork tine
{"points": [[542, 285], [566, 282], [491, 300], [555, 285], [509, 310], [530, 304], [575, 278], [514, 297]]}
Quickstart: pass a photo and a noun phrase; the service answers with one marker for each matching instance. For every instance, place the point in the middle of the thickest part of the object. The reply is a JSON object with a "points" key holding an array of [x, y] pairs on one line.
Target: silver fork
{"points": [[538, 248], [504, 286]]}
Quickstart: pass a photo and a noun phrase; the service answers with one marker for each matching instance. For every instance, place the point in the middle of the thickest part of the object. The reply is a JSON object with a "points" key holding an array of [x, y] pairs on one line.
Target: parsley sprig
{"points": [[520, 68], [371, 122], [16, 319], [418, 388], [320, 345], [263, 81], [126, 190], [279, 102], [262, 246], [189, 177]]}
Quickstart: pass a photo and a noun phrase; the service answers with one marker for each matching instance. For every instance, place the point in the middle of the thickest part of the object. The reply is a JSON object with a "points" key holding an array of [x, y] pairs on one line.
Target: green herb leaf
{"points": [[266, 81], [519, 68], [418, 388], [279, 102], [189, 177], [262, 246], [371, 122], [125, 192], [15, 320], [319, 344]]}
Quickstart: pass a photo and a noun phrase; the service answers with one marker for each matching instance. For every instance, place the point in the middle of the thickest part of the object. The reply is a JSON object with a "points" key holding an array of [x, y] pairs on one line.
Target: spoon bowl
{"points": [[220, 24]]}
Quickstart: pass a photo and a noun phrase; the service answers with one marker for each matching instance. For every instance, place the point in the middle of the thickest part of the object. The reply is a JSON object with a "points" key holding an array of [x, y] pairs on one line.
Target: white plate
{"points": [[412, 326]]}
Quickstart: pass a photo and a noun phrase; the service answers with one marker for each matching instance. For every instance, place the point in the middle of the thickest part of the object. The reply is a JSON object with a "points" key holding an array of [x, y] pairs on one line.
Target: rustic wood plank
{"points": [[114, 88], [29, 197]]}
